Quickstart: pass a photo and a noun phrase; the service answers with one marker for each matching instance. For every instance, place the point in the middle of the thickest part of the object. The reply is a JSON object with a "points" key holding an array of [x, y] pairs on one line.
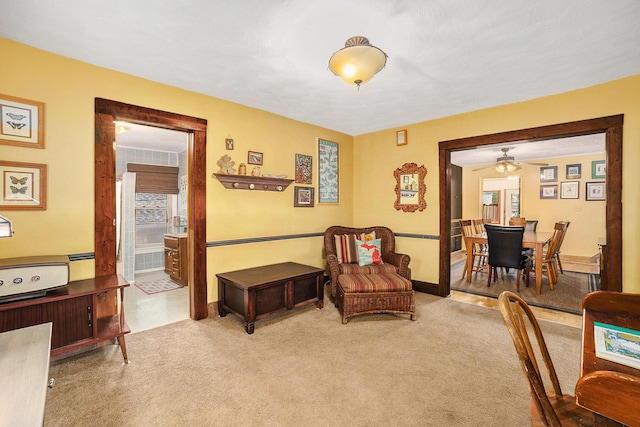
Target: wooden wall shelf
{"points": [[246, 182]]}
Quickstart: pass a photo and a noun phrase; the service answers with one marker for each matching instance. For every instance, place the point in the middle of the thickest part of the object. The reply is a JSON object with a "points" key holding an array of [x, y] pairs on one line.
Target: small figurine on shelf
{"points": [[242, 169], [226, 165], [255, 171]]}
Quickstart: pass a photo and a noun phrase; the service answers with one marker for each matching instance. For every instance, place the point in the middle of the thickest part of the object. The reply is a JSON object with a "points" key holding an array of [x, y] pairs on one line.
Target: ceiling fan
{"points": [[507, 163]]}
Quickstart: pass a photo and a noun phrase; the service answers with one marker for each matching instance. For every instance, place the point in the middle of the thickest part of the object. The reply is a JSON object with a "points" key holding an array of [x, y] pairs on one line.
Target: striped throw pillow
{"points": [[346, 248]]}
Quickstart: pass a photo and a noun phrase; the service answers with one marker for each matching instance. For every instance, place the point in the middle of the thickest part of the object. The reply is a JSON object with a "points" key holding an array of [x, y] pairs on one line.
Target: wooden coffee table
{"points": [[267, 291]]}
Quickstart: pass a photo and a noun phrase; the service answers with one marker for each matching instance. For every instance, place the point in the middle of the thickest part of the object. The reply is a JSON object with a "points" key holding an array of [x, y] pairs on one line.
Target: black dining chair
{"points": [[531, 225], [505, 250]]}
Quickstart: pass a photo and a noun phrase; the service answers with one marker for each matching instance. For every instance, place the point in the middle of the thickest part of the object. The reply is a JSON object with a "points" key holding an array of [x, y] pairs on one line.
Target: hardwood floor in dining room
{"points": [[571, 289]]}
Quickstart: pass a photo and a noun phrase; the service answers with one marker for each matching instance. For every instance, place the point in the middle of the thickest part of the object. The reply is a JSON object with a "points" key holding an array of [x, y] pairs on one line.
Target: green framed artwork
{"points": [[598, 169]]}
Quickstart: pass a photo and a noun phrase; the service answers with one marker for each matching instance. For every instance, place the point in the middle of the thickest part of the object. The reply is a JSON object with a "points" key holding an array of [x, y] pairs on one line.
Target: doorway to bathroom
{"points": [[151, 207]]}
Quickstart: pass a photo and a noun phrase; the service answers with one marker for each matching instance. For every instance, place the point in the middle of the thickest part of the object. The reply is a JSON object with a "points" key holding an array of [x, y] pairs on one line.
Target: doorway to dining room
{"points": [[610, 127]]}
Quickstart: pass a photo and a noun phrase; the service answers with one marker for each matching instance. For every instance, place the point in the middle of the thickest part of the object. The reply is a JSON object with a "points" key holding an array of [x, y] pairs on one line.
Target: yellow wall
{"points": [[367, 162], [587, 217], [68, 89], [377, 156]]}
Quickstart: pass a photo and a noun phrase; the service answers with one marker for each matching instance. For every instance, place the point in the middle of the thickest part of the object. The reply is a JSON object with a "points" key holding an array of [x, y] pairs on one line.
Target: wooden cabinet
{"points": [[262, 292], [175, 258], [81, 313]]}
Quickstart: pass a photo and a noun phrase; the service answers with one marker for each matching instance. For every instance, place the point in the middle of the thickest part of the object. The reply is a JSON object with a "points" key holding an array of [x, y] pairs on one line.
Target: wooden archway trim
{"points": [[106, 111], [611, 126]]}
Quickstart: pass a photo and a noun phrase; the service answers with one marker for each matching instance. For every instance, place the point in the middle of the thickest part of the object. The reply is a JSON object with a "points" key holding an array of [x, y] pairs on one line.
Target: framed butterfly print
{"points": [[24, 186], [22, 122]]}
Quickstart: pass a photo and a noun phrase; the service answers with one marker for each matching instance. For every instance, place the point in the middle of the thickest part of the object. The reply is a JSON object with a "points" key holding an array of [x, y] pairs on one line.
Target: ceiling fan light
{"points": [[511, 167], [358, 61], [501, 168]]}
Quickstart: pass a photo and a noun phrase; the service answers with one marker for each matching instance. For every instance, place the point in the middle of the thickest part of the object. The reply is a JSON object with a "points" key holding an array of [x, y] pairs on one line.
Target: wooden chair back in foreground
{"points": [[505, 250], [548, 407], [610, 389]]}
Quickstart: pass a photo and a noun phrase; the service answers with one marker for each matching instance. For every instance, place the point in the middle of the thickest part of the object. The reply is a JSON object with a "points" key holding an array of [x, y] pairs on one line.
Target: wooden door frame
{"points": [[611, 126], [106, 112]]}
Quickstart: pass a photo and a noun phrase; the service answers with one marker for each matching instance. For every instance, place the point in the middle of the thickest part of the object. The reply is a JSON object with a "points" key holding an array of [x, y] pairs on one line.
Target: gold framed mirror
{"points": [[410, 188]]}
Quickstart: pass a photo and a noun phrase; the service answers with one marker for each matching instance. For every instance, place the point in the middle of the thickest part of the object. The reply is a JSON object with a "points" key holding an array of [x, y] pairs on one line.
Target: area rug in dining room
{"points": [[156, 286]]}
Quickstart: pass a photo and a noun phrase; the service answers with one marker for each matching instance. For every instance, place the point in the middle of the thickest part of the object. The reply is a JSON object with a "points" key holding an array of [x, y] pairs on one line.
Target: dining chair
{"points": [[478, 225], [549, 260], [517, 221], [548, 406], [479, 253], [531, 225], [505, 250], [557, 253]]}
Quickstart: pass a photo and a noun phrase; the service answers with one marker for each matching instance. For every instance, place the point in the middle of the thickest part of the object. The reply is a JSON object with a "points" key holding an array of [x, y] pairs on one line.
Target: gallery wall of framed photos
{"points": [[553, 187]]}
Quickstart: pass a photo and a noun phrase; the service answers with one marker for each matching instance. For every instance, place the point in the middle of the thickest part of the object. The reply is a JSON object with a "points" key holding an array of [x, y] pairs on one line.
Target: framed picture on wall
{"points": [[303, 197], [328, 172], [254, 158], [549, 191], [22, 122], [569, 189], [401, 137], [574, 171], [596, 191], [304, 169], [598, 169], [24, 186], [549, 174]]}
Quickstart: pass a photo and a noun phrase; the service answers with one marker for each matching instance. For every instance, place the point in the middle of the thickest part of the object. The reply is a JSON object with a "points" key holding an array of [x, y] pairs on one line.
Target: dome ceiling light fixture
{"points": [[358, 61]]}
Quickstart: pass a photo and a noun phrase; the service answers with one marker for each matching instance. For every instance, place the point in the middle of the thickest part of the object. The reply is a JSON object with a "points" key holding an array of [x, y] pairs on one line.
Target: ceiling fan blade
{"points": [[484, 167], [536, 164]]}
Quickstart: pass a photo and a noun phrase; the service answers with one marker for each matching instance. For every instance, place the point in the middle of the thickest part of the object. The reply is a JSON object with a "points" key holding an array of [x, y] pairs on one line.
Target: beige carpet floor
{"points": [[454, 366]]}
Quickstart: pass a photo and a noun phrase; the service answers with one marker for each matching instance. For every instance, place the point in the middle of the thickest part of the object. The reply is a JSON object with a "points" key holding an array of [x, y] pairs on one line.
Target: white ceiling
{"points": [[151, 138], [527, 150], [445, 56]]}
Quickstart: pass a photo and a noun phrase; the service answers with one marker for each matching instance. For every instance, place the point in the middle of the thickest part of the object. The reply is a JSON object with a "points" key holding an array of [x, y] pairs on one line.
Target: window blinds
{"points": [[155, 179]]}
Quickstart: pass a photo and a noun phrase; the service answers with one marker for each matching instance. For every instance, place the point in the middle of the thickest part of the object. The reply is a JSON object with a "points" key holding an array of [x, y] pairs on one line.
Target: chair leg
{"points": [[518, 273], [559, 263], [489, 273]]}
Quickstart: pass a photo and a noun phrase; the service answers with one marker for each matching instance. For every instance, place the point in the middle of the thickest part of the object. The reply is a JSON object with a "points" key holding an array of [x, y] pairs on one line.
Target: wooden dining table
{"points": [[535, 240]]}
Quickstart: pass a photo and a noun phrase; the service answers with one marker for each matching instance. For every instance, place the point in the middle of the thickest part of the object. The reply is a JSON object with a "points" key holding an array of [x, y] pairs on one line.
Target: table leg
{"points": [[538, 261], [123, 348]]}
